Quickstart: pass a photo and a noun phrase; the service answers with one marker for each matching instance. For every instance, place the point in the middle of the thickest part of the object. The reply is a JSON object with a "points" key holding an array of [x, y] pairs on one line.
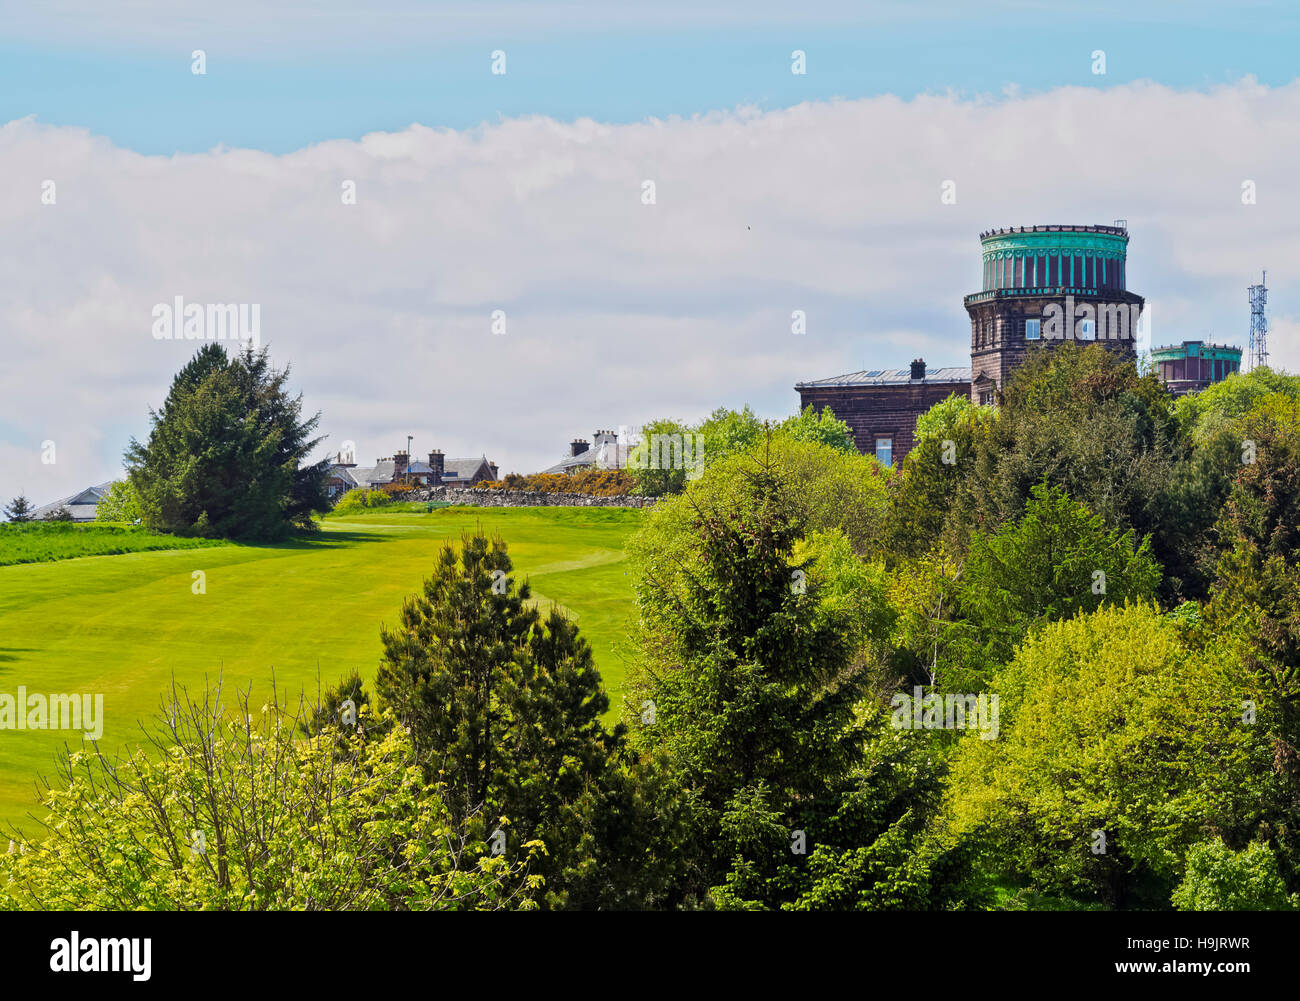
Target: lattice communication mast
{"points": [[1258, 350]]}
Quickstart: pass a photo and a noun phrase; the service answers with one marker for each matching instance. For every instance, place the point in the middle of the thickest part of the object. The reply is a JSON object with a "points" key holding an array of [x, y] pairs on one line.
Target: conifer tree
{"points": [[505, 714], [19, 509], [226, 452]]}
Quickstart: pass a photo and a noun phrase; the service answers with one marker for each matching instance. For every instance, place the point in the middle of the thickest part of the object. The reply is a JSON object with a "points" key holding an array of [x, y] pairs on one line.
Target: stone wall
{"points": [[885, 411], [522, 498]]}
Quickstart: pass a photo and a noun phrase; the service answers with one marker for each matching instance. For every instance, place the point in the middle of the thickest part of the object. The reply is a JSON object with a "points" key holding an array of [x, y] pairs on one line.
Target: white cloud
{"points": [[618, 312]]}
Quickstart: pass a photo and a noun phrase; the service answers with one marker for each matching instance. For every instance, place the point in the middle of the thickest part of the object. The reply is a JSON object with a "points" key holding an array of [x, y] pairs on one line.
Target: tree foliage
{"points": [[235, 811], [19, 510], [504, 710], [120, 503], [226, 452]]}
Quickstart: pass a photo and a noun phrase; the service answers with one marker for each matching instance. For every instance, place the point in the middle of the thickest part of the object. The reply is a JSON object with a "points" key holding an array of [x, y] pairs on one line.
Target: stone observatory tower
{"points": [[1043, 285]]}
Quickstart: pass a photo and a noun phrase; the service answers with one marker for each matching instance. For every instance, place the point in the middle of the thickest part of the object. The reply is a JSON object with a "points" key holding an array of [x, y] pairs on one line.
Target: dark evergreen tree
{"points": [[226, 453], [19, 509], [505, 713], [760, 713]]}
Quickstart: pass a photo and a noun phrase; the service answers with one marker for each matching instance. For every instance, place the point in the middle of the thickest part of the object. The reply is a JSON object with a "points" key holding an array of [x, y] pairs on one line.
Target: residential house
{"points": [[82, 505], [604, 451], [345, 474]]}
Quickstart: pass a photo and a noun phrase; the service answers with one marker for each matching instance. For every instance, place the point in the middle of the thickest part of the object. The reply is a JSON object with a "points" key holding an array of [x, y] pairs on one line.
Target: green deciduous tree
{"points": [[119, 504], [1082, 419], [1056, 560], [223, 810], [822, 427], [1123, 743], [1219, 879], [926, 495]]}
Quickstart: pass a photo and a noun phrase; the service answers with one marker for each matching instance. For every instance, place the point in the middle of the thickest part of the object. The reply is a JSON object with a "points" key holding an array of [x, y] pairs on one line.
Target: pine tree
{"points": [[19, 509], [505, 714]]}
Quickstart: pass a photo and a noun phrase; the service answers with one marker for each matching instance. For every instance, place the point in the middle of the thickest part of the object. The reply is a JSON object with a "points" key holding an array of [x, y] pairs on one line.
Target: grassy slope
{"points": [[122, 625], [40, 542]]}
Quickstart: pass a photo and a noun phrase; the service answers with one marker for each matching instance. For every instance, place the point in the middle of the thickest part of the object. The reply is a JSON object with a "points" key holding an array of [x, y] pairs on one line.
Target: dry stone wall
{"points": [[523, 498]]}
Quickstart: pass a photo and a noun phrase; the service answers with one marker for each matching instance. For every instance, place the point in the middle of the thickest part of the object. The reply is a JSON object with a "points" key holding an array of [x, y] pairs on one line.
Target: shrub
{"points": [[359, 499], [590, 482], [240, 812], [1219, 879]]}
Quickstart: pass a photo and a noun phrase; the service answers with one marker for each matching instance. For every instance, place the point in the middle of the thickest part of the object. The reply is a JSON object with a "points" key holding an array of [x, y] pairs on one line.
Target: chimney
{"points": [[918, 368], [401, 460], [493, 466], [435, 464], [578, 446]]}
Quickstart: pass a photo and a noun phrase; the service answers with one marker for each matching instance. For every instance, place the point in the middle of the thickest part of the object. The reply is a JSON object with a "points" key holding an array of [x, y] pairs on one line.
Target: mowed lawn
{"points": [[123, 625]]}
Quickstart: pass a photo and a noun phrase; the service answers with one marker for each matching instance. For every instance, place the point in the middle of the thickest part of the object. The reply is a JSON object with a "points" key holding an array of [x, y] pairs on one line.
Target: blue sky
{"points": [[315, 73]]}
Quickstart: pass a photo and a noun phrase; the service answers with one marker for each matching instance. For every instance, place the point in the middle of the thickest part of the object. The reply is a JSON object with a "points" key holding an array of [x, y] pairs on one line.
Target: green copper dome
{"points": [[1047, 259]]}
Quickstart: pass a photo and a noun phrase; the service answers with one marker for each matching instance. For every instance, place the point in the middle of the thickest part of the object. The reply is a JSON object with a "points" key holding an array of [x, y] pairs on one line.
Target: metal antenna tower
{"points": [[1258, 350]]}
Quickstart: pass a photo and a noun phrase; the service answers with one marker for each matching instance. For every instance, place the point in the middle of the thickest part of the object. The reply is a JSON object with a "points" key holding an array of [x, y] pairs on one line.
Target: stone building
{"points": [[882, 405], [1193, 365], [606, 450], [1045, 284], [1041, 285], [344, 474]]}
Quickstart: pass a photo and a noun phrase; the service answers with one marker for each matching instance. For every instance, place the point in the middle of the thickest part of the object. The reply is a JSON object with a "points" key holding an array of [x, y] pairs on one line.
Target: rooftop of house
{"points": [[605, 455], [463, 469], [891, 377], [81, 505], [383, 471]]}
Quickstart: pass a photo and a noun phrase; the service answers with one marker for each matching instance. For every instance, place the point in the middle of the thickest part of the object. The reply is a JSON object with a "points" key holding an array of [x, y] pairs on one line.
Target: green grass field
{"points": [[42, 541], [123, 625]]}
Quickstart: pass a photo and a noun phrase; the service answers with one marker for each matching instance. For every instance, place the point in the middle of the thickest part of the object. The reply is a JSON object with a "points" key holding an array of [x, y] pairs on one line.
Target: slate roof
{"points": [[82, 504], [460, 470], [381, 472], [889, 377], [608, 455], [453, 471]]}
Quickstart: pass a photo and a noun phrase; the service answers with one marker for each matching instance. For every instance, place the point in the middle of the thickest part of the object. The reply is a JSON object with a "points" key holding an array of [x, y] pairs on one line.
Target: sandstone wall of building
{"points": [[873, 412]]}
